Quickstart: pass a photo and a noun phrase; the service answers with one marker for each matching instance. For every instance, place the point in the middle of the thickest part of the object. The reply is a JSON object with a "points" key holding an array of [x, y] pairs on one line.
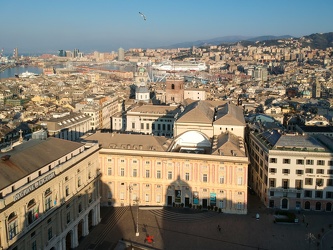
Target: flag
{"points": [[36, 212]]}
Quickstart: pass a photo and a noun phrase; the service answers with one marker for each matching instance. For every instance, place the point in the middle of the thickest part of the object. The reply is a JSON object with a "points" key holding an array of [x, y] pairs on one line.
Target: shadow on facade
{"points": [[52, 222], [163, 125], [99, 235], [296, 197]]}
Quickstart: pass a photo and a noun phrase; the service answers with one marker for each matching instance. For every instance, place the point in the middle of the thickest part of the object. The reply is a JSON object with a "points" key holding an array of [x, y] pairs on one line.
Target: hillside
{"points": [[315, 41]]}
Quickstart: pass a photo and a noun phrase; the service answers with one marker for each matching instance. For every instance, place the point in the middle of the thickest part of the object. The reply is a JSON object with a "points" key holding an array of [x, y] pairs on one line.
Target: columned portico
{"points": [[86, 225]]}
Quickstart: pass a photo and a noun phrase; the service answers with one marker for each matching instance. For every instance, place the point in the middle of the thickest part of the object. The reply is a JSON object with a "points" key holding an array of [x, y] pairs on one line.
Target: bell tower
{"points": [[174, 89]]}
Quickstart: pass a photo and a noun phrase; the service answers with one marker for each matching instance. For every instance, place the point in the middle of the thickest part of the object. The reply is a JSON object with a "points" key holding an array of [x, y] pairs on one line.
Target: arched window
{"points": [[307, 205], [318, 206], [328, 206], [284, 204], [32, 211], [48, 199], [12, 225]]}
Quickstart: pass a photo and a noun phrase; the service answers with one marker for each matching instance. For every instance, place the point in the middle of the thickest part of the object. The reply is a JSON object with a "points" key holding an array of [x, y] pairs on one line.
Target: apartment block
{"points": [[291, 171]]}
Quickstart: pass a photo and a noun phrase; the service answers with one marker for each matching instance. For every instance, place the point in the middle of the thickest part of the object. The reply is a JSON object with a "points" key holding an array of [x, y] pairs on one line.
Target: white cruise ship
{"points": [[180, 66]]}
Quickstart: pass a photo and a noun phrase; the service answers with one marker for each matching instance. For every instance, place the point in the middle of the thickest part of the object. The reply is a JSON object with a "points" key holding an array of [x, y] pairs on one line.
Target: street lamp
{"points": [[137, 217], [130, 188]]}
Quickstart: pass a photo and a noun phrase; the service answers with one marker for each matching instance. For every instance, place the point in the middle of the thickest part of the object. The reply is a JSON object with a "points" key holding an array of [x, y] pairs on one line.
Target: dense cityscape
{"points": [[159, 148]]}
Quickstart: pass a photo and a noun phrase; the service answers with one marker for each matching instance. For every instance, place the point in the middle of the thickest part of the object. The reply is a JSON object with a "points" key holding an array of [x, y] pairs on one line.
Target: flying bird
{"points": [[144, 17]]}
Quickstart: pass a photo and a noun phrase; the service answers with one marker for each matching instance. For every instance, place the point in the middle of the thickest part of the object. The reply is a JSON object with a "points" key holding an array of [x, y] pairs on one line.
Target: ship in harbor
{"points": [[176, 66], [27, 74]]}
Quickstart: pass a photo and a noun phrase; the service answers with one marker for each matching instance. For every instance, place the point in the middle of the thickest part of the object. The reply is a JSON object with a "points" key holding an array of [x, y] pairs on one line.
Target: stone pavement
{"points": [[179, 228]]}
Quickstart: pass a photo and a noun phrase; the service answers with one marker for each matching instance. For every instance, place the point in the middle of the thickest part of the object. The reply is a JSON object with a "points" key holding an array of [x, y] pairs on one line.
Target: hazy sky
{"points": [[106, 25]]}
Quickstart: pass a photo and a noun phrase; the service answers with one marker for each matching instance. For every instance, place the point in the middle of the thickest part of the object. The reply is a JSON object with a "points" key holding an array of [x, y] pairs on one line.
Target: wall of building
{"points": [[156, 179]]}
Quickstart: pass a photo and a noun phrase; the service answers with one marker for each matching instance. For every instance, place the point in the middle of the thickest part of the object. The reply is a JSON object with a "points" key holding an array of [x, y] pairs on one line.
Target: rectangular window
{"points": [[329, 195], [12, 228], [49, 233], [239, 205], [109, 171], [147, 126], [330, 171], [319, 194], [329, 182], [330, 163], [147, 197], [187, 176], [320, 171], [309, 162], [221, 204], [319, 182], [158, 198], [308, 194], [272, 170], [204, 178], [286, 161], [321, 162], [271, 193], [135, 172], [67, 190], [147, 173], [133, 125], [299, 162], [285, 183], [308, 181], [309, 170], [285, 171], [68, 217], [272, 160], [34, 245], [298, 184], [78, 181], [122, 172], [48, 202], [299, 171], [272, 182], [122, 196], [239, 180], [221, 179], [169, 175], [158, 174]]}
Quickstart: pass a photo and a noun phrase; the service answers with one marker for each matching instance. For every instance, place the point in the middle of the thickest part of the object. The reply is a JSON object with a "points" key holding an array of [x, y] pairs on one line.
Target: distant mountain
{"points": [[318, 40], [315, 41], [223, 40]]}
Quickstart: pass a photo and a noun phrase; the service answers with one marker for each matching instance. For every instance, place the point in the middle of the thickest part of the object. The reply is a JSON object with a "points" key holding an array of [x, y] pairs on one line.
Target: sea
{"points": [[11, 72]]}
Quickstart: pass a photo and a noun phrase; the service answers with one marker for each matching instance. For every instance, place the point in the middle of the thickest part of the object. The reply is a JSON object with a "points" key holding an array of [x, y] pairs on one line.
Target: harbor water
{"points": [[11, 72]]}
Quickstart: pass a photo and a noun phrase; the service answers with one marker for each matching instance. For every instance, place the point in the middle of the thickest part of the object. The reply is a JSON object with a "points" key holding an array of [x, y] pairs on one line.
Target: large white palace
{"points": [[205, 164]]}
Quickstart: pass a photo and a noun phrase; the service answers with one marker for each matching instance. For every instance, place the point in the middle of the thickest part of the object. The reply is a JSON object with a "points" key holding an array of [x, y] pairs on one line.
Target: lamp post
{"points": [[137, 217], [130, 188]]}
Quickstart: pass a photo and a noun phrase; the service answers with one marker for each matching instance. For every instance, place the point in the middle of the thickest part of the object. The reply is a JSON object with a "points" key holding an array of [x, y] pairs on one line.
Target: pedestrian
{"points": [[219, 228], [307, 224]]}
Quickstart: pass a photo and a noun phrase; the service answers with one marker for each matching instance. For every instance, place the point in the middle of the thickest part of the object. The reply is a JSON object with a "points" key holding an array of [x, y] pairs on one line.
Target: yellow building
{"points": [[190, 170], [49, 194]]}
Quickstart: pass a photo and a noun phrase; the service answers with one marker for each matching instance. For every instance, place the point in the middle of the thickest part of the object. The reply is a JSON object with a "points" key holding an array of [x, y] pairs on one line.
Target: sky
{"points": [[46, 26]]}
